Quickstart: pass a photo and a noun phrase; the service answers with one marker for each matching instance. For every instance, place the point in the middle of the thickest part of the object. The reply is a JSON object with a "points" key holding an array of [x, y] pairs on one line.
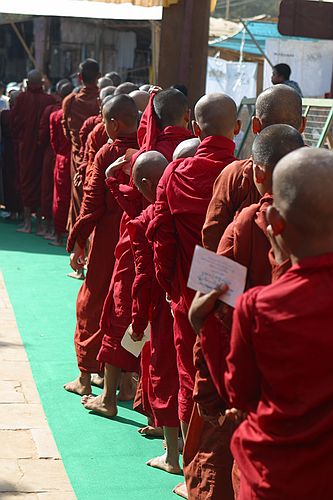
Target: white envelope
{"points": [[209, 270], [135, 348]]}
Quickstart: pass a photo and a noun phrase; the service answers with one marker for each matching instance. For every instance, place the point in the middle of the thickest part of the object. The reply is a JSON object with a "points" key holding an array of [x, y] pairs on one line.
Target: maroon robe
{"points": [[77, 107], [10, 163], [280, 374], [117, 310], [48, 161], [150, 306], [26, 114], [62, 175], [100, 214]]}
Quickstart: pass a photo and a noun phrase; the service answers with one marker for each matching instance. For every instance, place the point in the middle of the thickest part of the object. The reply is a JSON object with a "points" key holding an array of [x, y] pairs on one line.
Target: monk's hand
{"points": [[119, 164], [155, 89], [280, 254], [77, 180], [77, 258], [135, 336], [234, 415], [203, 305]]}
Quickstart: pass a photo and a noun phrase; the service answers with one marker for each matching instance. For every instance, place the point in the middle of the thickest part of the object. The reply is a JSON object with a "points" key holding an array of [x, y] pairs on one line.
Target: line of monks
{"points": [[250, 389]]}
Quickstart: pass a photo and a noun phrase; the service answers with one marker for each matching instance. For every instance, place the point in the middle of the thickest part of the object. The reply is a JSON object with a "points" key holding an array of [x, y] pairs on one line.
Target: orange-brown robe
{"points": [[233, 190], [245, 241], [26, 115], [100, 214], [48, 161], [77, 107], [87, 127], [96, 140]]}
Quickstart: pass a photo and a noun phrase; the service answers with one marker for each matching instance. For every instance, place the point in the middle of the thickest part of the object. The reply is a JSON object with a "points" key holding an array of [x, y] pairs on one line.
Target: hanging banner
{"points": [[238, 80]]}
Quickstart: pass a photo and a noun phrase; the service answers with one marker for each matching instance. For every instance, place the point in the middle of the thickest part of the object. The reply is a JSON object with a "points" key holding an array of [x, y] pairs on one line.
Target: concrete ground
{"points": [[30, 464]]}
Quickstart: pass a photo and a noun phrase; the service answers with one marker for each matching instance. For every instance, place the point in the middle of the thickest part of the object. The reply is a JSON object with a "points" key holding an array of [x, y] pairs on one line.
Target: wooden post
{"points": [[184, 46]]}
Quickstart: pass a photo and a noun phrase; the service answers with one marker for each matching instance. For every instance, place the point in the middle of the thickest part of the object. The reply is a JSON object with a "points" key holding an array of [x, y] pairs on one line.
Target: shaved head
{"points": [[122, 108], [125, 88], [66, 89], [279, 104], [104, 82], [115, 77], [302, 192], [149, 165], [35, 77], [216, 114], [186, 148], [146, 87], [89, 71], [170, 107], [106, 91], [60, 83], [275, 142], [141, 99]]}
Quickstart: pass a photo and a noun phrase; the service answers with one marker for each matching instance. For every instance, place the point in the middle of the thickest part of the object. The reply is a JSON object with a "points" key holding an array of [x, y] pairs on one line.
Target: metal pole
{"points": [[256, 43], [227, 9]]}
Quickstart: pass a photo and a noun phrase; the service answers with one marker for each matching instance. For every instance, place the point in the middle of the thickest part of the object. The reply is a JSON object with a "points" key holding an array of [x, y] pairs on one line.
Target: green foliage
{"points": [[247, 8]]}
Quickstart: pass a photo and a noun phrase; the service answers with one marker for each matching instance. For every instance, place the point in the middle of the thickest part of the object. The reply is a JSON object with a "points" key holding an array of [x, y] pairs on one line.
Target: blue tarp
{"points": [[261, 31]]}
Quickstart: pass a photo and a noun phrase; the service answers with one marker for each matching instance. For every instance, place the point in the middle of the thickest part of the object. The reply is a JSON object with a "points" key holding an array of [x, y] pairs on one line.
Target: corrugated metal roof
{"points": [[261, 31]]}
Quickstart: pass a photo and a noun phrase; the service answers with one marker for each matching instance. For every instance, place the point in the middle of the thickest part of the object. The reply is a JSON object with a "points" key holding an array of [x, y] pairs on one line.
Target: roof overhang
{"points": [[80, 9]]}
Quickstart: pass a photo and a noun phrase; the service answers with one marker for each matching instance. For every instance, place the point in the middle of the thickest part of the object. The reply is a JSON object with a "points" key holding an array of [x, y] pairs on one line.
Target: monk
{"points": [[245, 241], [125, 88], [10, 160], [186, 149], [109, 90], [77, 107], [47, 183], [276, 331], [150, 306], [184, 193], [26, 116], [115, 77], [171, 110], [101, 215], [141, 99], [62, 178], [103, 82], [234, 189]]}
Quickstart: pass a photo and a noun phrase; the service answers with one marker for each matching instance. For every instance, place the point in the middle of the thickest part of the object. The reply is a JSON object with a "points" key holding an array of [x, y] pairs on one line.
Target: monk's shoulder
{"points": [[105, 154], [68, 101], [234, 172]]}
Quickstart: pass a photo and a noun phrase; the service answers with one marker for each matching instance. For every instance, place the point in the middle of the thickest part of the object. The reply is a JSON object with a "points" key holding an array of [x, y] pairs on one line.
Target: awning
{"points": [[82, 9]]}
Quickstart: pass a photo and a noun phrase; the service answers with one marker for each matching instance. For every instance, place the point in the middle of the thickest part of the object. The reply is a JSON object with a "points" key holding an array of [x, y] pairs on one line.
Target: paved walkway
{"points": [[30, 464]]}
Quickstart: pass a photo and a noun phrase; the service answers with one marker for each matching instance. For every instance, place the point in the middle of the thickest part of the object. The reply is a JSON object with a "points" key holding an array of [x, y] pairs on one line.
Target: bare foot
{"points": [[56, 243], [97, 380], [79, 386], [24, 229], [98, 405], [162, 464], [151, 431], [181, 490], [127, 387], [40, 232], [78, 275]]}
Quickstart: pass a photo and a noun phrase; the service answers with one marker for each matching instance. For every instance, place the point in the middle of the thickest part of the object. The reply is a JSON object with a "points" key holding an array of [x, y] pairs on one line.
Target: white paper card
{"points": [[209, 270], [134, 348]]}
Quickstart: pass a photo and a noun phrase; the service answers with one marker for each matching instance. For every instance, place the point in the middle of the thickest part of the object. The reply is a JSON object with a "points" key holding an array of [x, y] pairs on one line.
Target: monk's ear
{"points": [[303, 125], [237, 128], [196, 129], [256, 125], [187, 116], [259, 174], [275, 219]]}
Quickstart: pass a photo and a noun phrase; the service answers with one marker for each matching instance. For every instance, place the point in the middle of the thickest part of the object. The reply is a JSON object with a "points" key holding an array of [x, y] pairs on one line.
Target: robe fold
{"points": [[77, 107], [280, 374], [10, 163], [233, 190], [48, 161], [62, 175], [85, 132], [26, 117], [183, 196], [97, 138], [117, 310], [100, 214], [150, 306]]}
